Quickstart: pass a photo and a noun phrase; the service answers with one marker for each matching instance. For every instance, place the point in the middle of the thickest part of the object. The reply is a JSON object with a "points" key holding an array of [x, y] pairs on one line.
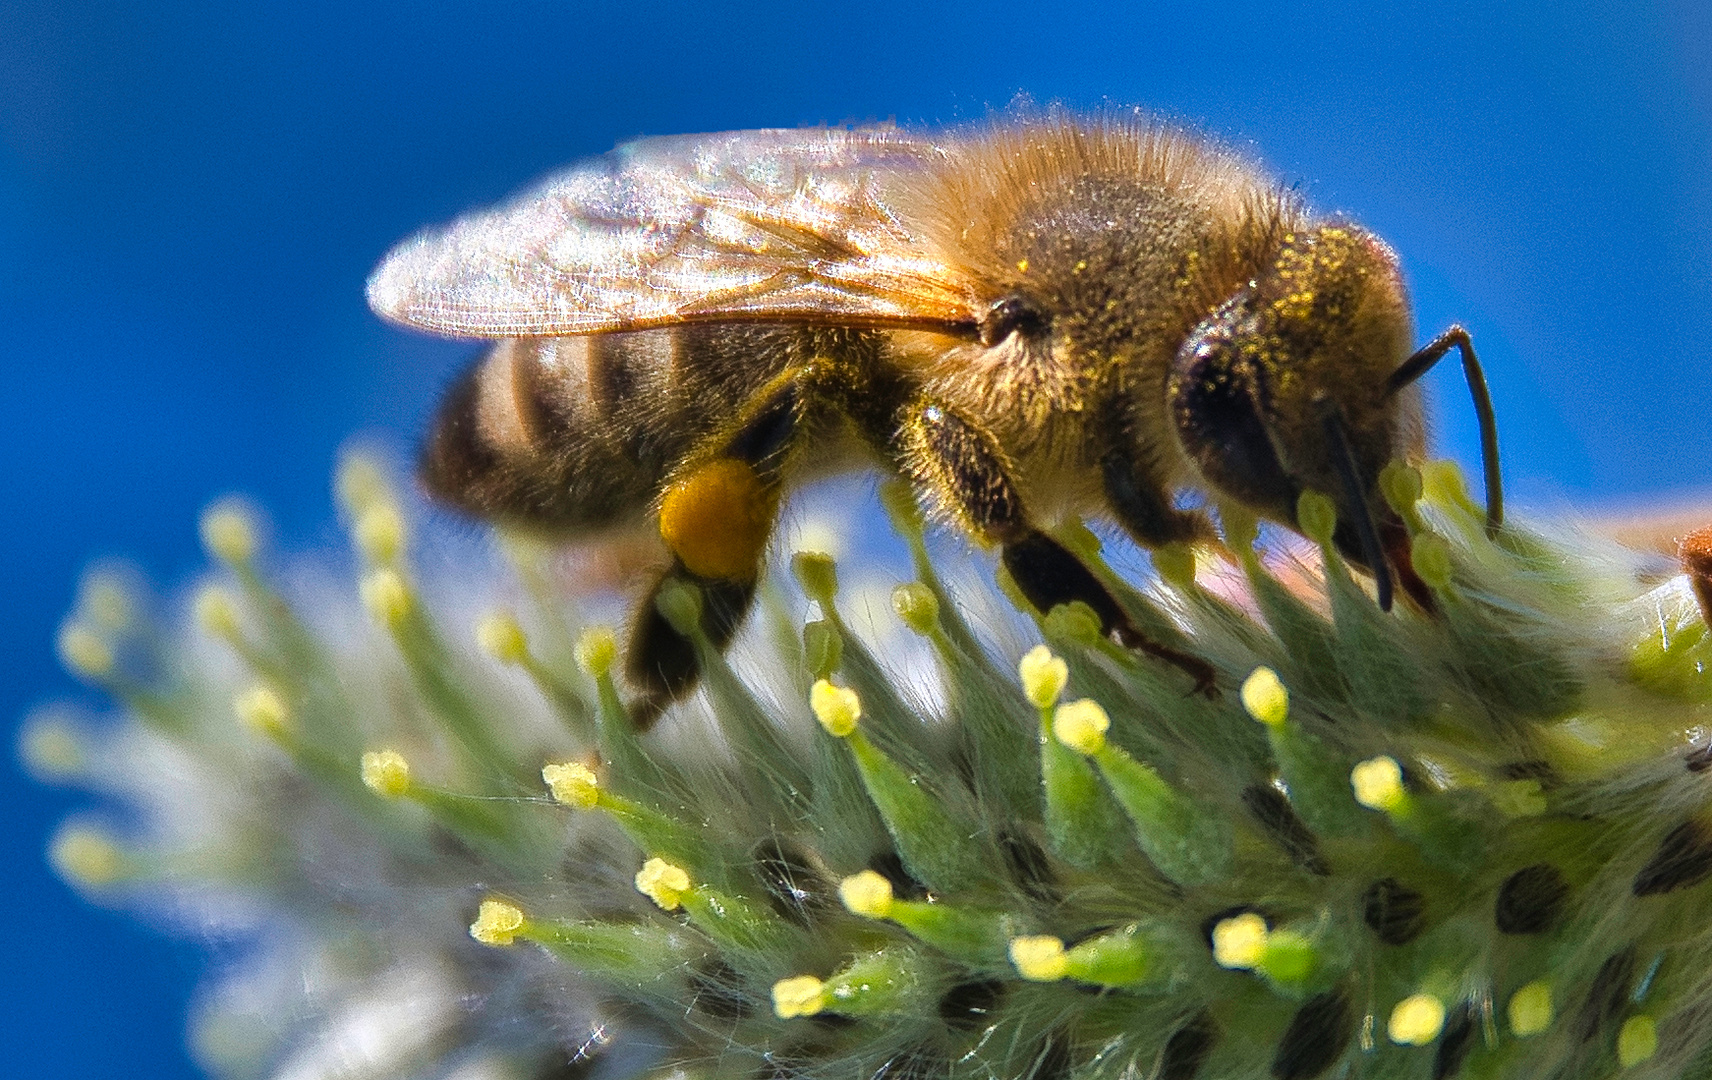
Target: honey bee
{"points": [[1047, 315]]}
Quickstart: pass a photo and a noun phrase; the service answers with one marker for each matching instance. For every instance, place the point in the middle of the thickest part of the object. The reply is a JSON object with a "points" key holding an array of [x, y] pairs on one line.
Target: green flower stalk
{"points": [[1466, 842]]}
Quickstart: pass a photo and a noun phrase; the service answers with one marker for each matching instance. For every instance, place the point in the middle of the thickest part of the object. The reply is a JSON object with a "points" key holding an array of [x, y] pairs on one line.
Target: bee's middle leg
{"points": [[965, 469], [716, 516]]}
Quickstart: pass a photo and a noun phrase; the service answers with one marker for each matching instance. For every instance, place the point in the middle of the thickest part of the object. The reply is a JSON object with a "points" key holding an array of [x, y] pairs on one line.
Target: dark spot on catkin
{"points": [[1531, 899], [967, 1006], [904, 885], [1315, 1038], [1455, 1042], [1029, 866], [1396, 913], [1605, 998], [1684, 857], [1698, 759], [1187, 1048], [1278, 818]]}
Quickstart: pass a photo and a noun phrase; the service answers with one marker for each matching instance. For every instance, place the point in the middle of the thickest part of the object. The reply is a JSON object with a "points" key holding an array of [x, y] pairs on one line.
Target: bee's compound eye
{"points": [[1013, 315]]}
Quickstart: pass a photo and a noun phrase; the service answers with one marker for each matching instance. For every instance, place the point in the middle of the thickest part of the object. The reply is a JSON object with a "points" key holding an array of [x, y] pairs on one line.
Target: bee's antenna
{"points": [[1419, 364], [1343, 459]]}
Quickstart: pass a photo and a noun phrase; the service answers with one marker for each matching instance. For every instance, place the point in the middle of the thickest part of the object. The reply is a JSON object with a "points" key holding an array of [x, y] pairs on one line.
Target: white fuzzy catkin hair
{"points": [[1467, 842]]}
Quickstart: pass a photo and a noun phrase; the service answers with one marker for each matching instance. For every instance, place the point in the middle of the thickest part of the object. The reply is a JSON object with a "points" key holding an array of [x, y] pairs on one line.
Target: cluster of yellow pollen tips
{"points": [[1265, 698], [868, 894], [1416, 1021], [1317, 515], [717, 519], [1378, 785], [1244, 943], [800, 995], [229, 533], [86, 856], [386, 597], [837, 708], [379, 532], [917, 607], [216, 611], [1039, 957], [1637, 1041], [497, 922], [386, 773], [84, 652], [1176, 564], [261, 710], [1044, 677], [572, 783], [663, 883], [51, 748], [596, 650], [1239, 942], [501, 636], [1531, 1010], [1081, 725]]}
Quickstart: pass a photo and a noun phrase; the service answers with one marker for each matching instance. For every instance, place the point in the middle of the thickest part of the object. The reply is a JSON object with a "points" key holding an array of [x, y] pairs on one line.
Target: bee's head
{"points": [[1309, 345]]}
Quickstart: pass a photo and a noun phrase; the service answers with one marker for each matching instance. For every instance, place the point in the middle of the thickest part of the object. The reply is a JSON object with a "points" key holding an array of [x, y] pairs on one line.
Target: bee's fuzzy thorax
{"points": [[1471, 843]]}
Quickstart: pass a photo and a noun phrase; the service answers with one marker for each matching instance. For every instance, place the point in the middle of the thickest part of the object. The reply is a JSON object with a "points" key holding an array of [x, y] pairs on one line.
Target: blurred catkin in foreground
{"points": [[1471, 842]]}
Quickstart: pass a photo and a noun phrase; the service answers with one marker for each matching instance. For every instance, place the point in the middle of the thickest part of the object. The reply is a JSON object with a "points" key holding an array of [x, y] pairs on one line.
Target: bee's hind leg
{"points": [[716, 515], [965, 469]]}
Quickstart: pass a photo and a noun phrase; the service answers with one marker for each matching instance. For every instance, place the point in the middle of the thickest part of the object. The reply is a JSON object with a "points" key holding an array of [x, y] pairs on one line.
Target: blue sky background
{"points": [[192, 193]]}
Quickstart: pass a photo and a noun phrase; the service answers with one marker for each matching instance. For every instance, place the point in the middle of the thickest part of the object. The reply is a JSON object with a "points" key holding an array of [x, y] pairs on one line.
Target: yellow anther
{"points": [[1039, 957], [837, 708], [360, 483], [262, 711], [717, 519], [1239, 942], [917, 607], [817, 573], [1081, 725], [217, 611], [1378, 783], [1417, 1020], [800, 995], [386, 597], [51, 747], [501, 637], [596, 649], [386, 773], [107, 602], [497, 922], [1043, 676], [1317, 515], [84, 652], [1531, 1011], [1176, 564], [1265, 697], [86, 856], [572, 783], [379, 532], [1637, 1041], [868, 894], [229, 533], [1430, 556], [663, 883]]}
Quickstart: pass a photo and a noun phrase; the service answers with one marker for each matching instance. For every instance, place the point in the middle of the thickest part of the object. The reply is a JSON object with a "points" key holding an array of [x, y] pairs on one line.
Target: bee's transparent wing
{"points": [[755, 225]]}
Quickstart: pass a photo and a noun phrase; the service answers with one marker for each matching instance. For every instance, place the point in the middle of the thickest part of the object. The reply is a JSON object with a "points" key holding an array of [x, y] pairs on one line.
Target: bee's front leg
{"points": [[967, 472], [716, 515]]}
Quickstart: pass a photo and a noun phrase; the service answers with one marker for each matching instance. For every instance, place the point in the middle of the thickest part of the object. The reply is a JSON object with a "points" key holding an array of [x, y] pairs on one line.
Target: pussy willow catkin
{"points": [[1467, 842]]}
